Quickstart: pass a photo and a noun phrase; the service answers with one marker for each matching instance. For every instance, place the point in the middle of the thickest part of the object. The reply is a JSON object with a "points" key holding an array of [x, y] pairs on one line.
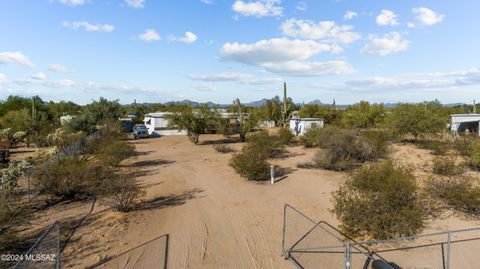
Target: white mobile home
{"points": [[465, 123], [299, 126], [157, 125]]}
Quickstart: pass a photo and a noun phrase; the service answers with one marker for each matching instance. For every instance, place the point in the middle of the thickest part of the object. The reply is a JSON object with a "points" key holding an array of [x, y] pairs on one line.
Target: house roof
{"points": [[307, 119]]}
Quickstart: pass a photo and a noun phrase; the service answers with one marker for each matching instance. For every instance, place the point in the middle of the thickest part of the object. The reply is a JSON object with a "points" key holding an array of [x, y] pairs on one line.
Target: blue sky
{"points": [[218, 50]]}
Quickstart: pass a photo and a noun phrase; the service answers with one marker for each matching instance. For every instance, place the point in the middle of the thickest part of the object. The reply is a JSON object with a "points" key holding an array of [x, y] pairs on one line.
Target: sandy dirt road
{"points": [[217, 219]]}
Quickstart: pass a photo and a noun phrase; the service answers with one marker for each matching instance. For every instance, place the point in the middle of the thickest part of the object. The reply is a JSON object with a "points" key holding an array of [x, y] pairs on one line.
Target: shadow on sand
{"points": [[168, 200], [126, 256]]}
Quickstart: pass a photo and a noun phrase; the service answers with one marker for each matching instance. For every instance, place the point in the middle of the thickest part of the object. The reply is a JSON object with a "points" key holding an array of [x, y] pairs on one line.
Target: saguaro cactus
{"points": [[286, 107]]}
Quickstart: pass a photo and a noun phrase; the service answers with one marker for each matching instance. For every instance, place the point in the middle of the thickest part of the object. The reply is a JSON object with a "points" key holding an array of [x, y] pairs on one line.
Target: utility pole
{"points": [[474, 107]]}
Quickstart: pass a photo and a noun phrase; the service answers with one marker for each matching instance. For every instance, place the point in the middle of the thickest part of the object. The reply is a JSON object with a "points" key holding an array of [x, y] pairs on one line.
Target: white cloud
{"points": [[98, 27], [204, 87], [350, 15], [427, 16], [326, 30], [73, 2], [39, 76], [235, 77], [411, 25], [188, 38], [149, 35], [11, 58], [302, 6], [286, 56], [223, 76], [388, 43], [387, 17], [3, 79], [58, 68], [207, 2], [135, 3], [260, 8], [297, 68], [274, 50]]}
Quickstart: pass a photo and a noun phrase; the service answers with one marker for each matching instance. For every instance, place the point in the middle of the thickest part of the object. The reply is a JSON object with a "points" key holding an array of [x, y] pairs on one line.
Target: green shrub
{"points": [[69, 177], [251, 163], [437, 147], [372, 145], [121, 192], [447, 166], [319, 137], [268, 144], [222, 148], [380, 201], [284, 136], [475, 154], [113, 153], [460, 194], [344, 149]]}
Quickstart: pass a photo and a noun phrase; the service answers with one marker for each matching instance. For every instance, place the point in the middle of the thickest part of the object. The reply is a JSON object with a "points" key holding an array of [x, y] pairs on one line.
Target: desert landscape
{"points": [[214, 218], [264, 134]]}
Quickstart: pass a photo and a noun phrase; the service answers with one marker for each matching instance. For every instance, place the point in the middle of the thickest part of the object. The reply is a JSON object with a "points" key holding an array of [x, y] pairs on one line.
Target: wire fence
{"points": [[45, 253], [310, 244]]}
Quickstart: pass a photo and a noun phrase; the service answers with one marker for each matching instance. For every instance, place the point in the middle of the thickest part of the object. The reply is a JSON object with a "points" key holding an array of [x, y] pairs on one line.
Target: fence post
{"points": [[57, 262], [347, 257], [272, 174], [448, 249]]}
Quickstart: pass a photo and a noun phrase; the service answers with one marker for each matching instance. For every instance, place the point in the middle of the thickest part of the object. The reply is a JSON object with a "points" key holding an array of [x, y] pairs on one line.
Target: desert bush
{"points": [[19, 137], [113, 153], [252, 161], [69, 177], [475, 154], [372, 145], [345, 149], [463, 144], [446, 166], [380, 201], [222, 148], [460, 193], [284, 136], [121, 192], [435, 146], [319, 137], [268, 144], [331, 160]]}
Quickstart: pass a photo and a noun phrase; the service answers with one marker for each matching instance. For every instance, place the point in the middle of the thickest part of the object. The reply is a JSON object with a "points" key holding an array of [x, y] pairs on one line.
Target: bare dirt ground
{"points": [[214, 218]]}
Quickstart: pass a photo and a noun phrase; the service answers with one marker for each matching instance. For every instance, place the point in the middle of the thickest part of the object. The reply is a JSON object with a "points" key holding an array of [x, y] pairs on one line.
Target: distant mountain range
{"points": [[262, 102]]}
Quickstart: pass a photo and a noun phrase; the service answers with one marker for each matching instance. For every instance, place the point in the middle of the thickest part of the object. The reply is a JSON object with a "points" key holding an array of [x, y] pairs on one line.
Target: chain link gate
{"points": [[310, 244]]}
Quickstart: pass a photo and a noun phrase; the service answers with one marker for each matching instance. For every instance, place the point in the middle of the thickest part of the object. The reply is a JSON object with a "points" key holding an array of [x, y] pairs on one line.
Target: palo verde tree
{"points": [[416, 120], [364, 115], [195, 121], [246, 122]]}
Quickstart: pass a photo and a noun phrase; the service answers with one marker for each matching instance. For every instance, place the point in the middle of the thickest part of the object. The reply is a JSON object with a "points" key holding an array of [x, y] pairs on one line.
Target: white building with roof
{"points": [[157, 125], [465, 123], [299, 126]]}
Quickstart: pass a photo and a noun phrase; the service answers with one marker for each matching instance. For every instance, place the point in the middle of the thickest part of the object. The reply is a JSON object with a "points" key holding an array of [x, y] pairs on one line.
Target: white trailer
{"points": [[465, 123], [299, 126], [157, 125]]}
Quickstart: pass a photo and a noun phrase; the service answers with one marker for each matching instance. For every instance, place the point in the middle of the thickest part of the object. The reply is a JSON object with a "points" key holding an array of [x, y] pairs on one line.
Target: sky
{"points": [[220, 50]]}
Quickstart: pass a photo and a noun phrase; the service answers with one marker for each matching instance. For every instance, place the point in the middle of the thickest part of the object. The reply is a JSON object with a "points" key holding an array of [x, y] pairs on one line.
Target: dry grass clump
{"points": [[447, 166], [459, 193], [222, 148]]}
